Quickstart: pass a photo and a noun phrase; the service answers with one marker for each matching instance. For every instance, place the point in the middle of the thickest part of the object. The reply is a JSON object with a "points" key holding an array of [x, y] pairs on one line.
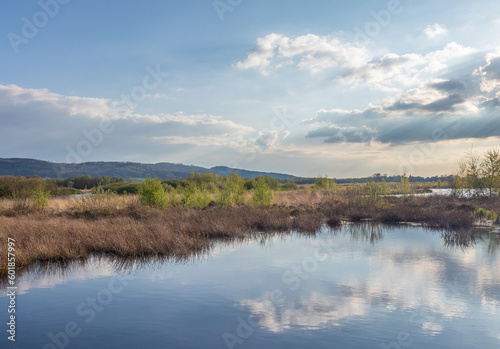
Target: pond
{"points": [[358, 286]]}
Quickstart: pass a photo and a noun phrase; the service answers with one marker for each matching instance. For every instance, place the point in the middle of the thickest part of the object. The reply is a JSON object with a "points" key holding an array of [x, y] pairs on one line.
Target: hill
{"points": [[127, 170]]}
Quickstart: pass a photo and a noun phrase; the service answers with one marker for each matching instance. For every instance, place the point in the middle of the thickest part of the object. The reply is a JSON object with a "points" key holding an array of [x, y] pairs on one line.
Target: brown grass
{"points": [[72, 230]]}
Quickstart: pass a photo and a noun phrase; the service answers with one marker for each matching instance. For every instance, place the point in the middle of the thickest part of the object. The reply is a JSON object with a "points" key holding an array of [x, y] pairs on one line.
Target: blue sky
{"points": [[343, 88]]}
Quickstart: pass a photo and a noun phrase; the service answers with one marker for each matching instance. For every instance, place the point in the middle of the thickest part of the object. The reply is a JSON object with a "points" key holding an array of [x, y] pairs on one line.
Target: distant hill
{"points": [[127, 170], [163, 170]]}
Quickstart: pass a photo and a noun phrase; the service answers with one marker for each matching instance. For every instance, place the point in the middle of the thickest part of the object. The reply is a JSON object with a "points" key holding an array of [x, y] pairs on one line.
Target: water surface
{"points": [[361, 286]]}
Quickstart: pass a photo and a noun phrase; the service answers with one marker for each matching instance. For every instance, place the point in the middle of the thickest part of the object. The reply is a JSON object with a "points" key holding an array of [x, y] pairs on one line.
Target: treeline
{"points": [[478, 174], [86, 181], [23, 187], [377, 177]]}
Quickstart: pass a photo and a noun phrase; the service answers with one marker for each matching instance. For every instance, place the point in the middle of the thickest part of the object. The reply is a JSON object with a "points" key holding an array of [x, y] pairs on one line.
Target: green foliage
{"points": [[196, 197], [288, 186], [23, 187], [87, 181], [130, 187], [174, 199], [490, 168], [375, 190], [233, 192], [324, 183], [483, 214], [40, 197], [263, 195], [404, 187], [478, 173], [152, 193]]}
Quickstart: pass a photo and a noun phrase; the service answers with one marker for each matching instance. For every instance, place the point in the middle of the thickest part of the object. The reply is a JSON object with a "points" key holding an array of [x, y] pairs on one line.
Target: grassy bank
{"points": [[125, 226]]}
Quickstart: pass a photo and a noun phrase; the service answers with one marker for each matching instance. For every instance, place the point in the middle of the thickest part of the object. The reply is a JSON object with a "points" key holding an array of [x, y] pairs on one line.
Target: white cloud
{"points": [[310, 52], [435, 30], [439, 110], [352, 64], [47, 123], [396, 71], [490, 73]]}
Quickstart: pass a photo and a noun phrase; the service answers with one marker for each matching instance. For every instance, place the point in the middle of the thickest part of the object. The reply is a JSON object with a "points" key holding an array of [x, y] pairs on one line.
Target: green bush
{"points": [[152, 193], [196, 197], [174, 199], [263, 195], [324, 183], [233, 191], [483, 214], [130, 188], [40, 197], [289, 186]]}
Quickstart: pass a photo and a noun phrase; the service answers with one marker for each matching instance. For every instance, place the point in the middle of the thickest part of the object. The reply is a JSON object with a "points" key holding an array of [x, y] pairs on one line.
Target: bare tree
{"points": [[490, 168]]}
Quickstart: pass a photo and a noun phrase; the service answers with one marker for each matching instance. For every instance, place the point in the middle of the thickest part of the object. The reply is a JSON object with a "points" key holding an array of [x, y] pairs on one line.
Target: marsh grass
{"points": [[100, 204], [110, 224]]}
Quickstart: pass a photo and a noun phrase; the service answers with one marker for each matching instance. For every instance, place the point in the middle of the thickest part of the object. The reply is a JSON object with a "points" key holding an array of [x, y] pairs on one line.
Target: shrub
{"points": [[263, 195], [196, 197], [289, 186], [130, 188], [404, 187], [324, 183], [40, 197], [174, 199], [483, 214], [233, 192], [152, 193]]}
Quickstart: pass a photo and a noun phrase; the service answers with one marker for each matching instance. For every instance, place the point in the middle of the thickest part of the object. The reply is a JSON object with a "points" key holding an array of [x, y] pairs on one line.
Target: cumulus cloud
{"points": [[390, 67], [435, 30], [490, 72], [392, 70], [352, 64], [439, 110], [310, 52]]}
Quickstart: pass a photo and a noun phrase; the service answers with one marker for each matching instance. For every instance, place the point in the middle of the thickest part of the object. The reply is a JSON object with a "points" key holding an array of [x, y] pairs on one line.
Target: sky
{"points": [[325, 87]]}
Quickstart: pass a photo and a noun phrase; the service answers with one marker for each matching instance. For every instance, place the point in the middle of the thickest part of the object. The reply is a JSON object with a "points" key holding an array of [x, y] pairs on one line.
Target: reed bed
{"points": [[72, 229]]}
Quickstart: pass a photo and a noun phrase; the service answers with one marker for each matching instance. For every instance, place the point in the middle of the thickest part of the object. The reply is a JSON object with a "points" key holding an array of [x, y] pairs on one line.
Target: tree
{"points": [[473, 172], [152, 193], [324, 183], [404, 186], [490, 168], [263, 195]]}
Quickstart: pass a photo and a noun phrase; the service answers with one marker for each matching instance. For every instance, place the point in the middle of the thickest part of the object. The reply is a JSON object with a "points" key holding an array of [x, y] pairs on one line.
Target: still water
{"points": [[360, 286]]}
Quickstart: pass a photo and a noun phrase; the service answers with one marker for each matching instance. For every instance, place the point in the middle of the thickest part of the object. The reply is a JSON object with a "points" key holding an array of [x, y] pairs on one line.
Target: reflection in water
{"points": [[354, 286], [366, 231], [401, 278]]}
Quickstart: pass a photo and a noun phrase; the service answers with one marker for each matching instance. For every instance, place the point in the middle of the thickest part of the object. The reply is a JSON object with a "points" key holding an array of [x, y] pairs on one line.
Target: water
{"points": [[362, 286]]}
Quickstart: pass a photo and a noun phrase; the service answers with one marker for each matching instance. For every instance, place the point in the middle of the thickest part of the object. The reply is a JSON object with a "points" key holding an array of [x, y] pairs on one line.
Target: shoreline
{"points": [[132, 230]]}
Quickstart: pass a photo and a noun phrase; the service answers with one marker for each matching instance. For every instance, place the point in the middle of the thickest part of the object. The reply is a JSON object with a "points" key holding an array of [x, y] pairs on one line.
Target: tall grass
{"points": [[97, 204]]}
